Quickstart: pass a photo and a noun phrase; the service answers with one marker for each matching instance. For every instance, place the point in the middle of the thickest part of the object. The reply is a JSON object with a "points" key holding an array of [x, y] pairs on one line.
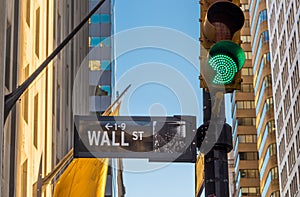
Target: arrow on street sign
{"points": [[107, 126]]}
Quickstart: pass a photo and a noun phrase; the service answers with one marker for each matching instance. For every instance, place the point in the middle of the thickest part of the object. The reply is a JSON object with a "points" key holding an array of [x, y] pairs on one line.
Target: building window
{"points": [[295, 77], [247, 138], [267, 81], [273, 150], [99, 18], [58, 31], [289, 130], [246, 39], [99, 65], [265, 36], [296, 110], [298, 142], [53, 89], [282, 148], [246, 121], [271, 126], [247, 87], [293, 49], [247, 71], [24, 172], [35, 120], [28, 12], [269, 104], [245, 104], [7, 60], [294, 187], [67, 78], [246, 23], [284, 176], [37, 32], [275, 194], [280, 121], [249, 191], [102, 41], [249, 173], [25, 97], [278, 94], [100, 90], [262, 15], [291, 158], [58, 108], [248, 155], [245, 7], [287, 101], [248, 54], [290, 20]]}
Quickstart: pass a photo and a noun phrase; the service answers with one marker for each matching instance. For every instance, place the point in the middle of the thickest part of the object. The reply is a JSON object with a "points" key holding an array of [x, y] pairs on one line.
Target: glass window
{"points": [[99, 18], [246, 121], [249, 191], [247, 71], [25, 97], [247, 23], [28, 12], [263, 15], [246, 39], [248, 156], [37, 32], [247, 138], [105, 18], [24, 177], [103, 41], [99, 65], [245, 7], [249, 173], [35, 120], [100, 90], [265, 36], [248, 54], [247, 87], [245, 104], [95, 19]]}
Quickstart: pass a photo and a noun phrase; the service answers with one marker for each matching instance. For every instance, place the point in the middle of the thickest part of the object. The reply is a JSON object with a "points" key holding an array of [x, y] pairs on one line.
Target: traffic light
{"points": [[220, 25]]}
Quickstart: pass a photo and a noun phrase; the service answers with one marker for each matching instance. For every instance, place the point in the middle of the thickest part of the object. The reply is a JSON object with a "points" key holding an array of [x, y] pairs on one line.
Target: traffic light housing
{"points": [[221, 65]]}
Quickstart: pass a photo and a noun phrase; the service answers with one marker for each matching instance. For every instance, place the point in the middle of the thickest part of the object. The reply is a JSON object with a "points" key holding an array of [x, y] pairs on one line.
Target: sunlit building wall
{"points": [[34, 116], [44, 113], [245, 172], [284, 28], [264, 104]]}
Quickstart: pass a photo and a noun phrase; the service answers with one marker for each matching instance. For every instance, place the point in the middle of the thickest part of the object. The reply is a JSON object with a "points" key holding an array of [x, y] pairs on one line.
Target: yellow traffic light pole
{"points": [[220, 24]]}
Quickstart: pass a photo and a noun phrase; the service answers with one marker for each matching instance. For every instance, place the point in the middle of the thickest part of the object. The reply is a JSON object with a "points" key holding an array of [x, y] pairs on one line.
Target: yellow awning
{"points": [[84, 177]]}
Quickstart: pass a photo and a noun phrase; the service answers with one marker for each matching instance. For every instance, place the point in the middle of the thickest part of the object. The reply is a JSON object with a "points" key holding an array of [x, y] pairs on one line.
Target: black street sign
{"points": [[156, 138]]}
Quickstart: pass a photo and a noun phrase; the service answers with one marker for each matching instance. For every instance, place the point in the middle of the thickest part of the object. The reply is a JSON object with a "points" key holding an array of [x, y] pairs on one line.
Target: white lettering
{"points": [[123, 143], [114, 143], [94, 138], [105, 139], [137, 135]]}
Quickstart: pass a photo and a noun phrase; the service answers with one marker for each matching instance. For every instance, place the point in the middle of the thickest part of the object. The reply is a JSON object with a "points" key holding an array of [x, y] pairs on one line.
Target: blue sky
{"points": [[157, 97]]}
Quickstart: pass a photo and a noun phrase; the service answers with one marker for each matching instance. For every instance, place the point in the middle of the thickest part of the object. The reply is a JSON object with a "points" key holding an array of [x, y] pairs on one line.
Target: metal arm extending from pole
{"points": [[11, 99]]}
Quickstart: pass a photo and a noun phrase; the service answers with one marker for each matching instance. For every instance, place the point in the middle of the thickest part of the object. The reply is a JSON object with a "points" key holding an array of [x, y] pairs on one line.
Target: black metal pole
{"points": [[215, 159], [216, 165], [11, 99]]}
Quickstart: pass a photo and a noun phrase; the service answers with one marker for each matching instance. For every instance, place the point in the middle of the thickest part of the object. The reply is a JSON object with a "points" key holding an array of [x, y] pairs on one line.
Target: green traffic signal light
{"points": [[226, 59]]}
